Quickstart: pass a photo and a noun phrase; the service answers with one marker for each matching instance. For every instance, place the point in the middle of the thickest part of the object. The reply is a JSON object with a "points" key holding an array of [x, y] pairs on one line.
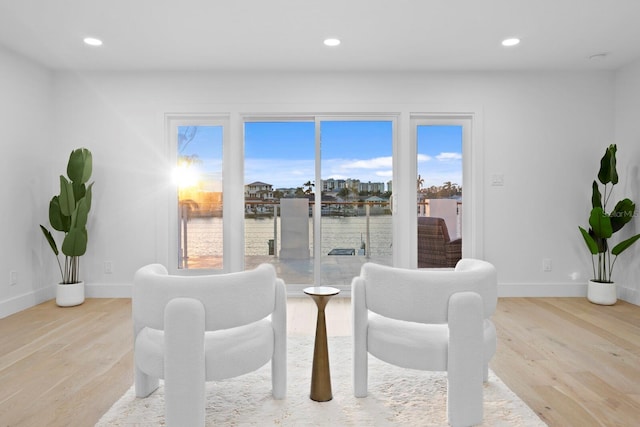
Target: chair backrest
{"points": [[229, 300], [423, 295], [433, 236], [432, 227]]}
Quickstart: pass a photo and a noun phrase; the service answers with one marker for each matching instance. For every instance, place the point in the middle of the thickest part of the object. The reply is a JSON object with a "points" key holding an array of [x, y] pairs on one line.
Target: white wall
{"points": [[25, 135], [627, 136], [543, 130]]}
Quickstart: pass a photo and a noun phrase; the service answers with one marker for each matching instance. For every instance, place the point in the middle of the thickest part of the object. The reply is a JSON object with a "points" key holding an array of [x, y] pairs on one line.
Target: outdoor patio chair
{"points": [[435, 247]]}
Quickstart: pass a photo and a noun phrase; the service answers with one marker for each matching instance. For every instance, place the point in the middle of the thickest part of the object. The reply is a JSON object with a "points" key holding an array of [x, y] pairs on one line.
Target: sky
{"points": [[282, 153], [439, 155], [358, 150]]}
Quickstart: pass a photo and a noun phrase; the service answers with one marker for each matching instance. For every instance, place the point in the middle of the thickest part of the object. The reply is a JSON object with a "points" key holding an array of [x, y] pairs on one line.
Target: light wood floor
{"points": [[574, 363]]}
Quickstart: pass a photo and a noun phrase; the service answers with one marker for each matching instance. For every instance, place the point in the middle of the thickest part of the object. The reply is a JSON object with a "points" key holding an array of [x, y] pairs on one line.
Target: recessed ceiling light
{"points": [[331, 42], [92, 41], [510, 42]]}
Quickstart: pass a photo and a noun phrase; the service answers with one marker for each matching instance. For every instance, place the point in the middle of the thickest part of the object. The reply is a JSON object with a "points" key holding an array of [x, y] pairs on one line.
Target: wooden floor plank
{"points": [[574, 363]]}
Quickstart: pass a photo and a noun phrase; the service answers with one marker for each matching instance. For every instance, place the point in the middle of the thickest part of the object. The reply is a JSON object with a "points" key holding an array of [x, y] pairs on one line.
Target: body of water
{"points": [[204, 235]]}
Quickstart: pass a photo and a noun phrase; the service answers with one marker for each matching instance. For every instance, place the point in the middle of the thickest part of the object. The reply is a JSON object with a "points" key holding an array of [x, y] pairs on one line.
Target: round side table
{"points": [[320, 373]]}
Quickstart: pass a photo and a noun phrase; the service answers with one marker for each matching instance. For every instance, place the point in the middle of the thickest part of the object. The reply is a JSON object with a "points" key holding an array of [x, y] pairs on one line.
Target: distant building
{"points": [[287, 192], [376, 201], [333, 185], [258, 190], [371, 187]]}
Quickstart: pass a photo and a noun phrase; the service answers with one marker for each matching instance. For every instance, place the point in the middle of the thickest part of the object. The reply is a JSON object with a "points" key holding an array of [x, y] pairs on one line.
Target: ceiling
{"points": [[376, 35]]}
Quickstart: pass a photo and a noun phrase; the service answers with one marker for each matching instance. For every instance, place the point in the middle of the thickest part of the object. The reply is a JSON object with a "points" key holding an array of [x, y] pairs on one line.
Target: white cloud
{"points": [[448, 157], [423, 158], [377, 169], [375, 163]]}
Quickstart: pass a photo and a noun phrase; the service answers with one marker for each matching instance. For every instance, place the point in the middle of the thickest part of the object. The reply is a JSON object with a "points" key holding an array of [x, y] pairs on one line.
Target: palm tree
{"points": [[184, 138], [309, 187], [344, 192]]}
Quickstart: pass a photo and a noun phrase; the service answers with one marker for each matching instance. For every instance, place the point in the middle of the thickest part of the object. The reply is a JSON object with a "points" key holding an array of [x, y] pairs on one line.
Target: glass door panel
{"points": [[198, 176], [356, 183], [279, 196], [439, 194]]}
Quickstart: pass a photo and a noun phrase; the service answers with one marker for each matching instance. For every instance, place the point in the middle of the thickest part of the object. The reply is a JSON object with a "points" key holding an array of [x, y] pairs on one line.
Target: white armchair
{"points": [[429, 320], [192, 329]]}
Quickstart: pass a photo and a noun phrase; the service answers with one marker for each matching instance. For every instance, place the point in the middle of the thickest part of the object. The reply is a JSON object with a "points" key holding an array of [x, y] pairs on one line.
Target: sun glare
{"points": [[185, 176]]}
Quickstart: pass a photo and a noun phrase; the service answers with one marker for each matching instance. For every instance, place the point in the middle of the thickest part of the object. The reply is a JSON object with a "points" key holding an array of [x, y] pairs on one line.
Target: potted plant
{"points": [[602, 225], [68, 213]]}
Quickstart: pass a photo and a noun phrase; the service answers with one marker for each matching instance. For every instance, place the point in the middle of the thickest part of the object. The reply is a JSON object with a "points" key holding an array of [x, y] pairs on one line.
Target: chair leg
{"points": [[144, 384], [279, 366], [360, 372], [184, 363]]}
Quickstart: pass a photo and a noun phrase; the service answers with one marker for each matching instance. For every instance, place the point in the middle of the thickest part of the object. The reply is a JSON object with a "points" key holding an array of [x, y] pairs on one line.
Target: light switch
{"points": [[497, 180]]}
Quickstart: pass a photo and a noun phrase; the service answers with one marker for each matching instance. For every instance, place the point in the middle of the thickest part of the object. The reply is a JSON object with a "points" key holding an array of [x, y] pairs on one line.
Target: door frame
{"points": [[472, 182]]}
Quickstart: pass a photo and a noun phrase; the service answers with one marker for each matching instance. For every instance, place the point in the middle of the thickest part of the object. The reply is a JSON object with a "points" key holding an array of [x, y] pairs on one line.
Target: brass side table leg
{"points": [[320, 374]]}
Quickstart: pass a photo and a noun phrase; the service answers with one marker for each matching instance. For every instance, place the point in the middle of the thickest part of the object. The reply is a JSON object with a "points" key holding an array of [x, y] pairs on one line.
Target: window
{"points": [[198, 145], [346, 169]]}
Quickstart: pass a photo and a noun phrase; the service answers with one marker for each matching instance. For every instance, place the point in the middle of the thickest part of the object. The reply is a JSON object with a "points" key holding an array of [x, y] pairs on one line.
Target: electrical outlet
{"points": [[108, 267], [546, 264], [13, 278]]}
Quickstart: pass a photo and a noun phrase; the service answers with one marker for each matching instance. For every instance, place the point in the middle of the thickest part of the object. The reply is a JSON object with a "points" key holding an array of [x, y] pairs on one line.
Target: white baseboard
{"points": [[111, 290], [24, 301], [123, 290], [629, 295], [571, 289]]}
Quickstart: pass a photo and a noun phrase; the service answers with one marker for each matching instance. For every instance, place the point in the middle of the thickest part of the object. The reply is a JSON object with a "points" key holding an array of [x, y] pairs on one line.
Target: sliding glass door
{"points": [[279, 172], [356, 164], [317, 196]]}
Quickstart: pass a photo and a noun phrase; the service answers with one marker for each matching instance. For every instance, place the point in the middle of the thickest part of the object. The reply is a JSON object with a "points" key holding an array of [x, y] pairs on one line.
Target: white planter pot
{"points": [[70, 295], [601, 293]]}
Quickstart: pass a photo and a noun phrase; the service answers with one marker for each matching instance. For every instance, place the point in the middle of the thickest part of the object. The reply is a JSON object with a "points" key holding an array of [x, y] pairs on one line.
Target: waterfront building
{"points": [[258, 190]]}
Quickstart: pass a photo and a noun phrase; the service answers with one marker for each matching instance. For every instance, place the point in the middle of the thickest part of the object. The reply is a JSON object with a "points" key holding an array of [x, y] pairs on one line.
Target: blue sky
{"points": [[440, 154], [282, 154], [206, 144]]}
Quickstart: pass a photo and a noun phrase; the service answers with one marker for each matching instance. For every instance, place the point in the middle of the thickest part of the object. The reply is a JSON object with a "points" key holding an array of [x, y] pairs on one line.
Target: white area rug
{"points": [[397, 397]]}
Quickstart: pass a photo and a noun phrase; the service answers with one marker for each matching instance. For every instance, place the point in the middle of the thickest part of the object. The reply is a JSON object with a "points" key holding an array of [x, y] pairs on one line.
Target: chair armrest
{"points": [[184, 361], [359, 310], [453, 251], [279, 358], [359, 313], [279, 315], [465, 364]]}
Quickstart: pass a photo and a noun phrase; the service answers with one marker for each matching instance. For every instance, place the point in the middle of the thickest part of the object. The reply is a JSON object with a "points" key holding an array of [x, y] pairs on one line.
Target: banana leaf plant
{"points": [[68, 213], [603, 224]]}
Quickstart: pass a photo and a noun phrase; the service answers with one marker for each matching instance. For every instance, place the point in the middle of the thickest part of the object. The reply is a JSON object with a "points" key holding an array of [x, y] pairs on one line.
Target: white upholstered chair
{"points": [[192, 329], [431, 320]]}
